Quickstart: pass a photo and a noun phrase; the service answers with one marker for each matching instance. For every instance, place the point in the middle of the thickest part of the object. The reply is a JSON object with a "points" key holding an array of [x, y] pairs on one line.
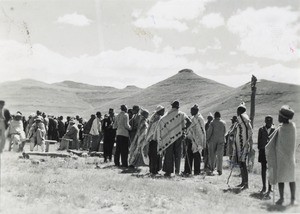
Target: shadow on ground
{"points": [[260, 196], [235, 190]]}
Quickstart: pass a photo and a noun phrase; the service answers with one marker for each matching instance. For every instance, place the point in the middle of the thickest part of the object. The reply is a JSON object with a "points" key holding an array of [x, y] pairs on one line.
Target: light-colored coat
{"points": [[122, 124], [281, 154]]}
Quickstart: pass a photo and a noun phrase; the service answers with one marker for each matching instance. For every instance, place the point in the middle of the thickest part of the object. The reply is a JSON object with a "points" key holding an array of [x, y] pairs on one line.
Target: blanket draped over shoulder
{"points": [[243, 137], [196, 133], [138, 151], [281, 154], [169, 129]]}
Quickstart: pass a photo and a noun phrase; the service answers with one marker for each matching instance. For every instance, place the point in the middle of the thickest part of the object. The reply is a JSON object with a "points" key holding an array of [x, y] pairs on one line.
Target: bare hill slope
{"points": [[185, 86]]}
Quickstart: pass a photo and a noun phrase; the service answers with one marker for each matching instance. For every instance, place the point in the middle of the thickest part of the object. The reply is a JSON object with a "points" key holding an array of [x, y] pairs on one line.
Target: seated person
{"points": [[71, 134]]}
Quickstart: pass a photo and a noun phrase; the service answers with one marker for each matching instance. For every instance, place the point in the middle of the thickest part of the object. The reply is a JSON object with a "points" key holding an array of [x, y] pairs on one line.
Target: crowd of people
{"points": [[161, 139]]}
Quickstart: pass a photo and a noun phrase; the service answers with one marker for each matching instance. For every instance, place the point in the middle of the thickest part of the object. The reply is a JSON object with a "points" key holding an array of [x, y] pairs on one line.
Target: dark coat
{"points": [[7, 117], [263, 137]]}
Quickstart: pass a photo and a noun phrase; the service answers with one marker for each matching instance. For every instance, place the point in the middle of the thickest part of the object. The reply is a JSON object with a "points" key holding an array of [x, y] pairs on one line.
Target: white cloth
{"points": [[281, 154], [196, 133], [96, 127]]}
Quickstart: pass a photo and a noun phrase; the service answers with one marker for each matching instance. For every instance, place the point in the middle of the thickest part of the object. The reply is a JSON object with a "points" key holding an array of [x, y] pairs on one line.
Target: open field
{"points": [[68, 185]]}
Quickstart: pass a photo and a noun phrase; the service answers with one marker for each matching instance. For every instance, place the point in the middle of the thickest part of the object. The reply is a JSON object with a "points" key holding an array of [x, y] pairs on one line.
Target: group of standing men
{"points": [[164, 135]]}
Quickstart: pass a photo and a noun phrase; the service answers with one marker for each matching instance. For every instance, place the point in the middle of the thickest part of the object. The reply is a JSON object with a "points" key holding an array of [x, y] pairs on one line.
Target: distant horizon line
{"points": [[127, 86]]}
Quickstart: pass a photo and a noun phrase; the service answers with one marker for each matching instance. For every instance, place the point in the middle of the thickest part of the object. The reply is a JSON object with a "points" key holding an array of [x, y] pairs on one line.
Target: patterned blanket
{"points": [[196, 132], [169, 129]]}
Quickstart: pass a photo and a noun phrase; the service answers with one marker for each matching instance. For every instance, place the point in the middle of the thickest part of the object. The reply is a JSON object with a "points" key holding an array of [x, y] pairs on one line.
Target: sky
{"points": [[133, 42]]}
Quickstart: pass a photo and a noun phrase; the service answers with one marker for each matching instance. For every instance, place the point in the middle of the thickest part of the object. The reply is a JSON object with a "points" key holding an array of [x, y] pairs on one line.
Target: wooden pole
{"points": [[253, 93]]}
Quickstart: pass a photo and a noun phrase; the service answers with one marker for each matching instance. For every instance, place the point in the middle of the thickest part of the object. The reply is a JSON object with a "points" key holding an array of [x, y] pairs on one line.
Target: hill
{"points": [[65, 98], [185, 86], [72, 98]]}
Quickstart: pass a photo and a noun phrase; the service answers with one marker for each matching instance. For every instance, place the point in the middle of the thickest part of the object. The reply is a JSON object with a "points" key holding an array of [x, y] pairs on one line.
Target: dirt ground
{"points": [[87, 185]]}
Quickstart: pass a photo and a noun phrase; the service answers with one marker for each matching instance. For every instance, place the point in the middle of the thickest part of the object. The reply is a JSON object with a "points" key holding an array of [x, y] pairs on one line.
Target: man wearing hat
{"points": [[109, 134], [122, 139], [262, 140], [4, 123], [216, 140], [281, 154], [243, 143], [154, 158], [37, 134], [195, 142], [170, 131]]}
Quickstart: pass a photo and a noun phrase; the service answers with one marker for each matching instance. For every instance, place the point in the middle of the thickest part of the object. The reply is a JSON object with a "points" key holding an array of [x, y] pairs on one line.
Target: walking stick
{"points": [[230, 175]]}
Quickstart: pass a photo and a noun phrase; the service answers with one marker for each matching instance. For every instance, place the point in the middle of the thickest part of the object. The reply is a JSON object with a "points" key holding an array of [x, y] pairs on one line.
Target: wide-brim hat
{"points": [[145, 113], [286, 112], [196, 107], [159, 108], [210, 115], [175, 104]]}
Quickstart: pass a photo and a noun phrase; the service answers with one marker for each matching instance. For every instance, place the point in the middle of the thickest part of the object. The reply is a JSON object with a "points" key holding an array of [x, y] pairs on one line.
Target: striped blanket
{"points": [[196, 132], [138, 152], [169, 129]]}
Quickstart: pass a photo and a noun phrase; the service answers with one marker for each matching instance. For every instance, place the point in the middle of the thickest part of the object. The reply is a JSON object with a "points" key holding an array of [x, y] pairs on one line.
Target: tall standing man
{"points": [[154, 158], [281, 154], [262, 140], [216, 140], [169, 135], [122, 139], [196, 141], [109, 134], [243, 143]]}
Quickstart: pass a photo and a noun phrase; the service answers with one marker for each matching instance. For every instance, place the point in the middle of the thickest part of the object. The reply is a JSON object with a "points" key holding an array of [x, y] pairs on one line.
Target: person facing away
{"points": [[154, 158], [205, 150], [262, 140], [281, 154], [138, 152], [169, 135], [195, 142], [216, 140], [122, 139], [109, 134], [243, 143], [61, 127]]}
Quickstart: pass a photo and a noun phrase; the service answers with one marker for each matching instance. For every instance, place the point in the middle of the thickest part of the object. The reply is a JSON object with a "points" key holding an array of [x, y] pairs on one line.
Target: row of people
{"points": [[143, 141]]}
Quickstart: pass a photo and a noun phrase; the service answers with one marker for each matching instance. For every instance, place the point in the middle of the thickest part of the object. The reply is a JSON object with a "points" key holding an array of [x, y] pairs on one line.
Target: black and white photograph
{"points": [[149, 106]]}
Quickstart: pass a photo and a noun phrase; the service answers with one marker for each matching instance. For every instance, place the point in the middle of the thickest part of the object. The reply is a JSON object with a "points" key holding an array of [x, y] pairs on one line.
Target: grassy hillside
{"points": [[185, 86], [72, 98]]}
